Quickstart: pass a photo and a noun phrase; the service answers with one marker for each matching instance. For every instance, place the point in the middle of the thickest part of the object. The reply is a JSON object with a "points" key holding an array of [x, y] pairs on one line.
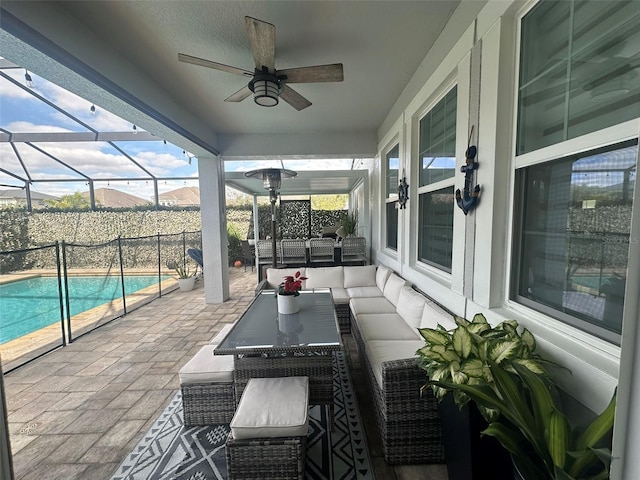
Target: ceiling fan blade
{"points": [[294, 99], [262, 36], [240, 95], [317, 73], [215, 65]]}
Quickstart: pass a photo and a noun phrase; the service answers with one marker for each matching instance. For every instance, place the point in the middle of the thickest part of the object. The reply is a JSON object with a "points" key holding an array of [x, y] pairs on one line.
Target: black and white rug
{"points": [[169, 451]]}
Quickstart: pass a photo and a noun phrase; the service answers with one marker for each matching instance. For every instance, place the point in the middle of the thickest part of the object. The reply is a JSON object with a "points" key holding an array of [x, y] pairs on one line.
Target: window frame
{"points": [[435, 186], [518, 238], [390, 196], [531, 5], [605, 137]]}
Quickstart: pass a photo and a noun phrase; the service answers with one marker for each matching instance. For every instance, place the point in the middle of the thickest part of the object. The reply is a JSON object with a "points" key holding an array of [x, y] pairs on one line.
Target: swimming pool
{"points": [[31, 304]]}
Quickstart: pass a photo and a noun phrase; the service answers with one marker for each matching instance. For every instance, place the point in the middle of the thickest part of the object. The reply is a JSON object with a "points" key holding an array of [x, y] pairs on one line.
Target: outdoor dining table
{"points": [[265, 343]]}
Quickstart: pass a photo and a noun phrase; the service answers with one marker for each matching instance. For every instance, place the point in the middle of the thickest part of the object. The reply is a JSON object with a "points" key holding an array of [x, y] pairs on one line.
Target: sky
{"points": [[24, 113]]}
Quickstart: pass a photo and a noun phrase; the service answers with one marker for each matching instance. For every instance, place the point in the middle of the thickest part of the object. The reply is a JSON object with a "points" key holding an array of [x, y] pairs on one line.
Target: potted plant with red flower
{"points": [[287, 293]]}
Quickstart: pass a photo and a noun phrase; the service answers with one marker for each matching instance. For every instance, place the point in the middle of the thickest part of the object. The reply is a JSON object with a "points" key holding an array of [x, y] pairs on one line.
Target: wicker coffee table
{"points": [[265, 343]]}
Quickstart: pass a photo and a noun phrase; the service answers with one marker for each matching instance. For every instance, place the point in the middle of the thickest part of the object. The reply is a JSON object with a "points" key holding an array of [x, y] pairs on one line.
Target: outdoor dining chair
{"points": [[294, 251], [354, 250], [264, 251], [248, 255], [321, 250]]}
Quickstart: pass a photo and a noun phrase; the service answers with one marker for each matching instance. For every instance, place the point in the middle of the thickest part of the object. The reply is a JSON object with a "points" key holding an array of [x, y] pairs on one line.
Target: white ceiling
{"points": [[304, 183], [135, 44]]}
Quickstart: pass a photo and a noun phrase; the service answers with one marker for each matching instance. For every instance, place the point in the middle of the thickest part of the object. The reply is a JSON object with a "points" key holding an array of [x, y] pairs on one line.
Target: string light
{"points": [[28, 79]]}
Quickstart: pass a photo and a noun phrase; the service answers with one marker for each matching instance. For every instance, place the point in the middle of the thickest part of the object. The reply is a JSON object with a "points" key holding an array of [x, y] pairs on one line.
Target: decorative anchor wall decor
{"points": [[468, 199], [403, 193]]}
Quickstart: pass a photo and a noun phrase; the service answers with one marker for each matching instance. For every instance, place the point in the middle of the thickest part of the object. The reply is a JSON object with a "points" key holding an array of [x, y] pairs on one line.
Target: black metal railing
{"points": [[80, 287]]}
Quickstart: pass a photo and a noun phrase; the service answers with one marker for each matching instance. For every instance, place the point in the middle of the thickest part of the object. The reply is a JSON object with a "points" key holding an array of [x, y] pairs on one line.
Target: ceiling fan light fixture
{"points": [[610, 91], [266, 89], [266, 93]]}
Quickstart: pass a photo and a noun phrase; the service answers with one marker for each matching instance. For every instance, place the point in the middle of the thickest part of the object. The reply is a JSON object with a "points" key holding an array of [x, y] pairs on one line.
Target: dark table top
{"points": [[261, 329]]}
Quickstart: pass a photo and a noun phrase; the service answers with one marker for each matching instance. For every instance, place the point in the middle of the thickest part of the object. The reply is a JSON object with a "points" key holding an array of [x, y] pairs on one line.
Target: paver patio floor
{"points": [[78, 411]]}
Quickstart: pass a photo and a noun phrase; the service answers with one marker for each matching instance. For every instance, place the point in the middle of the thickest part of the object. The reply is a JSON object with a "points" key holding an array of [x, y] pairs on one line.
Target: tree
{"points": [[72, 201], [329, 202]]}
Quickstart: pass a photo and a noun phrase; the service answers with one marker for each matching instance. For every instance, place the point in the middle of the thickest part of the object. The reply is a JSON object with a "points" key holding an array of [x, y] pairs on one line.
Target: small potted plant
{"points": [[498, 369], [186, 279], [287, 293]]}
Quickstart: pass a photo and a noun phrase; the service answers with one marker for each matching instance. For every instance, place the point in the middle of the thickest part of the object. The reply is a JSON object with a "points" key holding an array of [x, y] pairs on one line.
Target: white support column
{"points": [[214, 229], [366, 213], [256, 235]]}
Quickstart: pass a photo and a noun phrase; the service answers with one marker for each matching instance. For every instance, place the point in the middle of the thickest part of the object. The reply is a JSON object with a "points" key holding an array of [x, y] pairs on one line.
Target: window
{"points": [[436, 228], [575, 236], [579, 74], [579, 70], [391, 195], [436, 176]]}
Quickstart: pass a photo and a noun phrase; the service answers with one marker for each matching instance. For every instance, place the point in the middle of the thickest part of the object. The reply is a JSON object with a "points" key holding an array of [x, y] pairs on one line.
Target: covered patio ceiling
{"points": [[305, 183], [123, 56], [53, 141]]}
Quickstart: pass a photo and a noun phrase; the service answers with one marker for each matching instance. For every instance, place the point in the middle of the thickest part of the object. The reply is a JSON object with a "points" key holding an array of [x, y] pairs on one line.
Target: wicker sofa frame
{"points": [[409, 423]]}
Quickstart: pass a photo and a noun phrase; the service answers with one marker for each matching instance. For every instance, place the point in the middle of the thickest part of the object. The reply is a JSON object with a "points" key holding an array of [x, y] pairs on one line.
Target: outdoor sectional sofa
{"points": [[384, 313]]}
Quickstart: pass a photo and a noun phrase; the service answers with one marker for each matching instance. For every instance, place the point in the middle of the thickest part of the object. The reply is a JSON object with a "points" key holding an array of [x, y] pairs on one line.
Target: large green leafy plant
{"points": [[498, 369], [350, 223]]}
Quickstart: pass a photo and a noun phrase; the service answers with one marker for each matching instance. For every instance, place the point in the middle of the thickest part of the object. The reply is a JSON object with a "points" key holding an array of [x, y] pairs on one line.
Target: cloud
{"points": [[160, 163], [24, 126]]}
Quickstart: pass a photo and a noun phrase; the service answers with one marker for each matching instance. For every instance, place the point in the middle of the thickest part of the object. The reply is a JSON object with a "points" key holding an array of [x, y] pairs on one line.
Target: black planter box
{"points": [[468, 454]]}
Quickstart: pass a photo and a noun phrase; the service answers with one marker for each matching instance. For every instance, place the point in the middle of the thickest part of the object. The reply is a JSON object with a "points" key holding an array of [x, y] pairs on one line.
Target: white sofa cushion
{"points": [[385, 326], [410, 306], [205, 367], [382, 275], [325, 277], [364, 292], [273, 407], [340, 295], [392, 288], [434, 315], [361, 306], [226, 328], [379, 351], [364, 276], [275, 276]]}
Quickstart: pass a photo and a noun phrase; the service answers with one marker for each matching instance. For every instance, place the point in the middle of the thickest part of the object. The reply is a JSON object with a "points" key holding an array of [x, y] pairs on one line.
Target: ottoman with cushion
{"points": [[268, 438], [207, 388]]}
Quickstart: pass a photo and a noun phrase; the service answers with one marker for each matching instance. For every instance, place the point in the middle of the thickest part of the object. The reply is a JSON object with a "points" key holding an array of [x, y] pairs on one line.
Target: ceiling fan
{"points": [[268, 84]]}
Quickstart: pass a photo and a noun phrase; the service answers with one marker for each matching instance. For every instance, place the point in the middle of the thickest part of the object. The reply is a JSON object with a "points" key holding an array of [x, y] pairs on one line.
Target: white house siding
{"points": [[480, 276]]}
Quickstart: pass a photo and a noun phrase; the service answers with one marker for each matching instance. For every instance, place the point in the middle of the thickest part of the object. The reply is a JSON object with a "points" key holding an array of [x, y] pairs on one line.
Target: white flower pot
{"points": [[288, 304], [186, 284]]}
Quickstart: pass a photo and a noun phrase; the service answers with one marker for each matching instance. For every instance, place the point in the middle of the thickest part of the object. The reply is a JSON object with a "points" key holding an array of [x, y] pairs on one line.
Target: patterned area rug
{"points": [[169, 451]]}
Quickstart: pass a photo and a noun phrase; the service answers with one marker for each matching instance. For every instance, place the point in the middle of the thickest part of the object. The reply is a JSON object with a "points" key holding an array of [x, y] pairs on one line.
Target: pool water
{"points": [[31, 304]]}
